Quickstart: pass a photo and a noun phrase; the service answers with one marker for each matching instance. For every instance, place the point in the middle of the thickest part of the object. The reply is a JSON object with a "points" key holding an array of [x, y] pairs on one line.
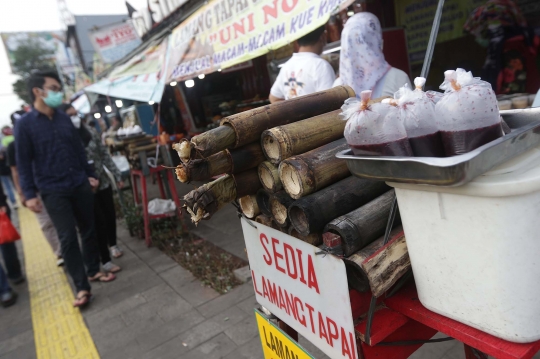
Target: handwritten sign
{"points": [[307, 291]]}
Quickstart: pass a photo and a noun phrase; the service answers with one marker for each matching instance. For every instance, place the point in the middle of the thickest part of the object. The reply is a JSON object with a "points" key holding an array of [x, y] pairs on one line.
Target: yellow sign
{"points": [[276, 344]]}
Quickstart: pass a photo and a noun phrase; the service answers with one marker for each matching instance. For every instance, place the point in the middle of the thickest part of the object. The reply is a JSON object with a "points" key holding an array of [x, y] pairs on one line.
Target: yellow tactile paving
{"points": [[59, 329]]}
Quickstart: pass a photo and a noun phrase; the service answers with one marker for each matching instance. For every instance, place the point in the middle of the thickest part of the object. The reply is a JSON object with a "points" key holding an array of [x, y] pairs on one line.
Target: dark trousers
{"points": [[11, 258], [105, 219], [69, 210]]}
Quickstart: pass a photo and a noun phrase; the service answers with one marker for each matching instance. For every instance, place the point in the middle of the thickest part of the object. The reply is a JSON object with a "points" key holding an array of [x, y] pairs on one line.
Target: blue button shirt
{"points": [[50, 154]]}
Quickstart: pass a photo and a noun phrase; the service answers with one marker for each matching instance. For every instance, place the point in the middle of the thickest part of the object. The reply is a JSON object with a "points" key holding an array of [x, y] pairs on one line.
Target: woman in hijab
{"points": [[362, 65]]}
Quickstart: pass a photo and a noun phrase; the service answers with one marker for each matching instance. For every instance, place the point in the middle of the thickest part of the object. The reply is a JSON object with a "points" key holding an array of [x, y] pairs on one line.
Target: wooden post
{"points": [[269, 177], [310, 214], [309, 172], [362, 226], [249, 206], [282, 142], [248, 126], [378, 267], [279, 204]]}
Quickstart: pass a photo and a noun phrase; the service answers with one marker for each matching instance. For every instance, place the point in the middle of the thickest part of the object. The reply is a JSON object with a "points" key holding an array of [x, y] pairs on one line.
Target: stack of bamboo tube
{"points": [[280, 164]]}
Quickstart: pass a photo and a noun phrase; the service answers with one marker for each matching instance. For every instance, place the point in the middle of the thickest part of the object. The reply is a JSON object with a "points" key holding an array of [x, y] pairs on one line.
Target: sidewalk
{"points": [[157, 309]]}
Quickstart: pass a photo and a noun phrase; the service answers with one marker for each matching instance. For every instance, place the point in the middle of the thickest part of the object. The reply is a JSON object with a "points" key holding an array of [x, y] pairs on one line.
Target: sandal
{"points": [[111, 267], [102, 277], [81, 301], [116, 252]]}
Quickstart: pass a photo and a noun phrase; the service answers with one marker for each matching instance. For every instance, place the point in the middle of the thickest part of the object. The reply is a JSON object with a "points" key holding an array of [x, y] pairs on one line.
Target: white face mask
{"points": [[76, 121]]}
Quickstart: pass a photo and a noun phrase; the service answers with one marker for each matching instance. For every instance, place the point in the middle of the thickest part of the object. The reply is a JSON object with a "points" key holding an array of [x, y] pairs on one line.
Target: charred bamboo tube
{"points": [[312, 238], [262, 219], [279, 203], [263, 201], [282, 142], [227, 161], [206, 144], [311, 213], [248, 126], [378, 267], [362, 226], [309, 172], [249, 206], [269, 177], [206, 200]]}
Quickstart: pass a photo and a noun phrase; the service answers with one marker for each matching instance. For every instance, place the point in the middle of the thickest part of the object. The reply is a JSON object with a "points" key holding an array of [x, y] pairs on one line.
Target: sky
{"points": [[43, 15]]}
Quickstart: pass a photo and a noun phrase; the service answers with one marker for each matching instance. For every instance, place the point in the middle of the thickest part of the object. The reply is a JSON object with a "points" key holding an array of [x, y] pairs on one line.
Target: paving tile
{"points": [[132, 289], [130, 350], [26, 352], [177, 277], [225, 220], [244, 331], [237, 247], [8, 345], [250, 350], [311, 349], [172, 349], [215, 348], [196, 294], [230, 299], [106, 327], [113, 310], [153, 338], [437, 350], [161, 263], [248, 305]]}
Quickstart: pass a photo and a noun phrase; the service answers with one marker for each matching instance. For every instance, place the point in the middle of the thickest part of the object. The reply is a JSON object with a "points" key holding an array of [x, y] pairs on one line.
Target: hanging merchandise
{"points": [[374, 129], [468, 114], [417, 112]]}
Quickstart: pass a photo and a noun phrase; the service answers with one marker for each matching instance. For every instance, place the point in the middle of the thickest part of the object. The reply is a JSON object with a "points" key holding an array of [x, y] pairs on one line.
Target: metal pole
{"points": [[432, 39]]}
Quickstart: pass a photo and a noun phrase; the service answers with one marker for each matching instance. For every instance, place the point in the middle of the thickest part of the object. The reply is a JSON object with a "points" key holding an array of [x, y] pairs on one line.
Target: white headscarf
{"points": [[362, 62]]}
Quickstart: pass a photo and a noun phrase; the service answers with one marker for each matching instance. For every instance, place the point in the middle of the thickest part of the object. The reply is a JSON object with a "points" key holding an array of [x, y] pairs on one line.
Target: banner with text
{"points": [[417, 18], [113, 42], [224, 33], [307, 291]]}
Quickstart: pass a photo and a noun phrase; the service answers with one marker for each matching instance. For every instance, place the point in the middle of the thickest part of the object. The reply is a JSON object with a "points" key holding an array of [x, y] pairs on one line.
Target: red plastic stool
{"points": [[138, 174]]}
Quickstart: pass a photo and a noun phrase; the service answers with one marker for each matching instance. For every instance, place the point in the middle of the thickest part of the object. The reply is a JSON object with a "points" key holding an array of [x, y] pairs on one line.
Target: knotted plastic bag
{"points": [[8, 233], [468, 113], [417, 112], [374, 129]]}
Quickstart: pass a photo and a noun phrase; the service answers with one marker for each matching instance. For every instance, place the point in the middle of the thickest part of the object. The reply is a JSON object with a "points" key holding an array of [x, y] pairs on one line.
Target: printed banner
{"points": [[307, 291], [152, 60], [417, 18], [224, 33], [113, 42], [49, 40]]}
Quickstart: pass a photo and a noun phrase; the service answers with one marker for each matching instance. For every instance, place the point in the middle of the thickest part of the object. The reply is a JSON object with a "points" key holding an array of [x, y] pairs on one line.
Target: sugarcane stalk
{"points": [[309, 172], [248, 126], [279, 203], [311, 213], [282, 142], [269, 177], [362, 226], [249, 206]]}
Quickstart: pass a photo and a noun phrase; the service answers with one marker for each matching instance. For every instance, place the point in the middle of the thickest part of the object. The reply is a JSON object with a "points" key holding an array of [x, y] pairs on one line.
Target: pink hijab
{"points": [[362, 62]]}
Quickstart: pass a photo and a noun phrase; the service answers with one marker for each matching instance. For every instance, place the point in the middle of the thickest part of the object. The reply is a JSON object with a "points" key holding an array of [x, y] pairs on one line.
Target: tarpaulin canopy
{"points": [[224, 33], [144, 88]]}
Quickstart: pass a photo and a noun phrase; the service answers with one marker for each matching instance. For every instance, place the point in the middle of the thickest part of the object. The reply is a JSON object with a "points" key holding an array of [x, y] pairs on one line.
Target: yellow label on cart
{"points": [[276, 344]]}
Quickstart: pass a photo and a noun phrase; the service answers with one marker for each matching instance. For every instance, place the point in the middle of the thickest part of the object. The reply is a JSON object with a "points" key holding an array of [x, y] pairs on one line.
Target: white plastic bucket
{"points": [[475, 249]]}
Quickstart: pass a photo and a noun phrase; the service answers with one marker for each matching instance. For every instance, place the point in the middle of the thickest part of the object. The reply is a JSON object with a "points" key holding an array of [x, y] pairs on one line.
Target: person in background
{"points": [[52, 160], [5, 177], [9, 250], [47, 227], [104, 212], [362, 65], [306, 72]]}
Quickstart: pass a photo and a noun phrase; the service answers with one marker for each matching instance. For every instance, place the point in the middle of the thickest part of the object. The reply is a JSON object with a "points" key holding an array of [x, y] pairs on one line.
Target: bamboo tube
{"points": [[248, 126], [206, 200], [310, 214], [206, 144], [227, 161], [269, 177], [279, 203], [249, 206], [282, 142], [314, 239], [263, 201], [362, 226], [309, 172], [378, 267], [262, 219]]}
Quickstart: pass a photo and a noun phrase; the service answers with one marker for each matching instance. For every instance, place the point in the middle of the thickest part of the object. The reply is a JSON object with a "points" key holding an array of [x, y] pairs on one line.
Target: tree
{"points": [[30, 54]]}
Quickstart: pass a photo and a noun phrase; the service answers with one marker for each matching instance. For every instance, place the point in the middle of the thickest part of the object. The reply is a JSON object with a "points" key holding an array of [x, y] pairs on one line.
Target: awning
{"points": [[144, 88], [224, 33]]}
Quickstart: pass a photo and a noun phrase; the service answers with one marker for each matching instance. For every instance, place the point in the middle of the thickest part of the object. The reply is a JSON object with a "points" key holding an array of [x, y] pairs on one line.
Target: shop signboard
{"points": [[417, 18], [305, 289], [115, 41], [224, 33], [151, 60]]}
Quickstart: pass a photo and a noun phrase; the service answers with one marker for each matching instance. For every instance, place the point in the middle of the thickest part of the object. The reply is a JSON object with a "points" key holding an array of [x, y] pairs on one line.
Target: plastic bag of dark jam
{"points": [[468, 113], [374, 130]]}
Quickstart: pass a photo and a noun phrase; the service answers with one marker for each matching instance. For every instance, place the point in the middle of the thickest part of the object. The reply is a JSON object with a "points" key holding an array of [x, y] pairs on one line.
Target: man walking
{"points": [[52, 160]]}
